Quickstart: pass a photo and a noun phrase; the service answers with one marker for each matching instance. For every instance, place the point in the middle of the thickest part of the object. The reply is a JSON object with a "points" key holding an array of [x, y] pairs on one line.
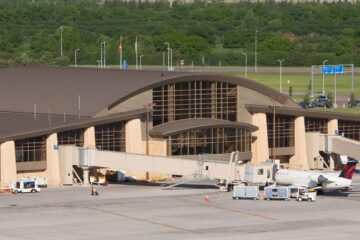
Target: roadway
{"points": [[148, 212]]}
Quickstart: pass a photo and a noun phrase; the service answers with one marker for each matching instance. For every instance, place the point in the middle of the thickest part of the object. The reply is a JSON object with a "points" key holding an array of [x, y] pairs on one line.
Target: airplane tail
{"points": [[349, 169]]}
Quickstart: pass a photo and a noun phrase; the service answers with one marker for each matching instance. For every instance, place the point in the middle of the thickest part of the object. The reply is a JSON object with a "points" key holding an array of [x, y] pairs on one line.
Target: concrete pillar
{"points": [[134, 143], [332, 125], [89, 137], [259, 147], [86, 176], [52, 161], [299, 160], [7, 163]]}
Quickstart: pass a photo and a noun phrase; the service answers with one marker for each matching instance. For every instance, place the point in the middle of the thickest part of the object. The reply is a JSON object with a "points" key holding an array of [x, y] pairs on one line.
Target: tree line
{"points": [[203, 33]]}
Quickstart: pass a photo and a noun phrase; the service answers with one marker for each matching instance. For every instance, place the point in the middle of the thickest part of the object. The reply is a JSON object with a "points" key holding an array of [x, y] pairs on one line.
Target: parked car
{"points": [[308, 105], [321, 101], [355, 103]]}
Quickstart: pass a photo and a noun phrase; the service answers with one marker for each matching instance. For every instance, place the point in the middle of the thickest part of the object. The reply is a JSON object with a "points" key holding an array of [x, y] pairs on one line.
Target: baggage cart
{"points": [[282, 193], [246, 192]]}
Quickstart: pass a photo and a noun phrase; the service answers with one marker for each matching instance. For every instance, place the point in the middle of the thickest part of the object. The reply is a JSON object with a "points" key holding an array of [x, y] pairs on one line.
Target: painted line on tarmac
{"points": [[227, 209], [145, 221]]}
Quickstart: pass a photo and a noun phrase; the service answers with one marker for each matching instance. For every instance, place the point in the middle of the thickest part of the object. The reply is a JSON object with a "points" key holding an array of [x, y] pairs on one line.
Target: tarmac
{"points": [[149, 212]]}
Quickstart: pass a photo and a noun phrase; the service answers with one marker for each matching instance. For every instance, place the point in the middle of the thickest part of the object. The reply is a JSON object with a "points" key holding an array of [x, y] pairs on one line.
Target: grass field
{"points": [[300, 82]]}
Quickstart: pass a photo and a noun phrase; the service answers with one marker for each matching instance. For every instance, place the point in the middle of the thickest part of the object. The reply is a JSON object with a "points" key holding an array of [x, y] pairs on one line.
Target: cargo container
{"points": [[282, 193], [246, 192]]}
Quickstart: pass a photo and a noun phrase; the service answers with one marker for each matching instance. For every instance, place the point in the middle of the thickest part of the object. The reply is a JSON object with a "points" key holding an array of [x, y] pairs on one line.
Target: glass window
{"points": [[194, 99], [30, 149], [110, 137]]}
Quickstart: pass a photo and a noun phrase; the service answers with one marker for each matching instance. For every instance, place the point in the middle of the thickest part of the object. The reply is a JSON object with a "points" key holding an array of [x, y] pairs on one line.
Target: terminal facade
{"points": [[155, 113]]}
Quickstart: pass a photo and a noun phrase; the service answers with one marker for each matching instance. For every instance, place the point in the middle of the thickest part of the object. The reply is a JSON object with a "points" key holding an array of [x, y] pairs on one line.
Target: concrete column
{"points": [[7, 163], [299, 160], [89, 137], [86, 176], [332, 125], [259, 147], [52, 161], [134, 143]]}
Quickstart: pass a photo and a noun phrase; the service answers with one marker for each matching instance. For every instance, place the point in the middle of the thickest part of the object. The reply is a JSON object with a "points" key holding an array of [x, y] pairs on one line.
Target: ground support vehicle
{"points": [[25, 186], [281, 193], [246, 192], [304, 195]]}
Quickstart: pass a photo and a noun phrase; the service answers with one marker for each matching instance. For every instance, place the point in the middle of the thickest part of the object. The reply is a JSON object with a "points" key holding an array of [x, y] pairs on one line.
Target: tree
{"points": [[330, 101]]}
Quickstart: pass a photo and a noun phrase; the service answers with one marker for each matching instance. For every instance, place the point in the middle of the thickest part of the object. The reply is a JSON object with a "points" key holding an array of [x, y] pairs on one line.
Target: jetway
{"points": [[87, 158], [331, 145]]}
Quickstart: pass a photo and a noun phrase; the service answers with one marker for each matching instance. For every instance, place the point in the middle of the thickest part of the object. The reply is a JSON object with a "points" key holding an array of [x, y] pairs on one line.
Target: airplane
{"points": [[317, 180]]}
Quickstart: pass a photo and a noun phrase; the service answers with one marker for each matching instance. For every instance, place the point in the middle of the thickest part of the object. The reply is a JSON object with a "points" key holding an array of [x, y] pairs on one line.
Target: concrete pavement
{"points": [[148, 212]]}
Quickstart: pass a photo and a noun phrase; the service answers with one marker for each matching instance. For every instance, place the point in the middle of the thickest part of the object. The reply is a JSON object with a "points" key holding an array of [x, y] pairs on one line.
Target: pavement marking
{"points": [[227, 209], [145, 220]]}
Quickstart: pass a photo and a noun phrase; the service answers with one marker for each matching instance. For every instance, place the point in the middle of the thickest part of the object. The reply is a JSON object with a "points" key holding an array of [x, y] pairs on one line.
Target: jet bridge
{"points": [[87, 158], [332, 146]]}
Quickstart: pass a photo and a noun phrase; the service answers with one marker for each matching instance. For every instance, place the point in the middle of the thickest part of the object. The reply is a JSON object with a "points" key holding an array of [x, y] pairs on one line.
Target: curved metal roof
{"points": [[171, 128], [59, 88]]}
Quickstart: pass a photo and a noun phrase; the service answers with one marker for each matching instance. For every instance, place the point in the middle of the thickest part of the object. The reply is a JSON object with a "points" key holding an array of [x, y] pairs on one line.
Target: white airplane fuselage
{"points": [[311, 179]]}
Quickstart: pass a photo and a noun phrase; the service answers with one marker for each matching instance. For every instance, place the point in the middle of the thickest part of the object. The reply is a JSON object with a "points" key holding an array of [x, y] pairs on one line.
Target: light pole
{"points": [[255, 51], [61, 41], [245, 63], [149, 107], [75, 53], [168, 54], [104, 52], [171, 65], [140, 61], [101, 55], [280, 61], [323, 76]]}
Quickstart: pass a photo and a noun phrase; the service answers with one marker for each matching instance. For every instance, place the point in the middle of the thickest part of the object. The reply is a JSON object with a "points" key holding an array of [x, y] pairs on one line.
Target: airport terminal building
{"points": [[171, 114]]}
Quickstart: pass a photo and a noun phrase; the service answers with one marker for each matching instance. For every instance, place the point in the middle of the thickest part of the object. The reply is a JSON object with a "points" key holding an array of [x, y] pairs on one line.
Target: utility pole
{"points": [[168, 54], [245, 63]]}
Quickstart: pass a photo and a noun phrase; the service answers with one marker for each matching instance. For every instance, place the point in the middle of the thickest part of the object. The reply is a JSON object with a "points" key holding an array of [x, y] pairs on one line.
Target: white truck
{"points": [[25, 186]]}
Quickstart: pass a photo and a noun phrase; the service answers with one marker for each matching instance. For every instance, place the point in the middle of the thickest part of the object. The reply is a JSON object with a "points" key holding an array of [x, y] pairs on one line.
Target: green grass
{"points": [[301, 82]]}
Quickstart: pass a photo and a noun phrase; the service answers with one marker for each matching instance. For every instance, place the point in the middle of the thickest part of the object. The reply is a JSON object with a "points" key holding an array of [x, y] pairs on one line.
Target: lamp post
{"points": [[61, 40], [280, 61], [140, 61], [101, 55], [255, 66], [75, 53], [168, 54], [149, 107], [104, 52], [245, 63], [323, 77], [171, 65]]}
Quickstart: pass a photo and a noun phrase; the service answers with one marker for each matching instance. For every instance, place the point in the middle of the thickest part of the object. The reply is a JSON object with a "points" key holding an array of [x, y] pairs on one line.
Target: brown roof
{"points": [[41, 126], [175, 127], [57, 89]]}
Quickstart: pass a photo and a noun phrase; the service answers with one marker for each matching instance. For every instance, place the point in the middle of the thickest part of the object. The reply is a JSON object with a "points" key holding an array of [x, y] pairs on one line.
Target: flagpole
{"points": [[136, 53]]}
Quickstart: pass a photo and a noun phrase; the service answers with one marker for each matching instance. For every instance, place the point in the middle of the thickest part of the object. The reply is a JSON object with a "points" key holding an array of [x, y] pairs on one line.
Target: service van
{"points": [[27, 186]]}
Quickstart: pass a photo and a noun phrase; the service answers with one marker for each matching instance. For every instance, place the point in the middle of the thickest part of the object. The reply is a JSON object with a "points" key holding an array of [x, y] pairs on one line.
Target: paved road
{"points": [[147, 212]]}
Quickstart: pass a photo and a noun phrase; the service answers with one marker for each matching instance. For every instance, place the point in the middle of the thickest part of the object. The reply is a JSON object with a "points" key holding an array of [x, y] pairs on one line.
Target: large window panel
{"points": [[210, 141], [30, 149], [110, 137], [194, 99]]}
